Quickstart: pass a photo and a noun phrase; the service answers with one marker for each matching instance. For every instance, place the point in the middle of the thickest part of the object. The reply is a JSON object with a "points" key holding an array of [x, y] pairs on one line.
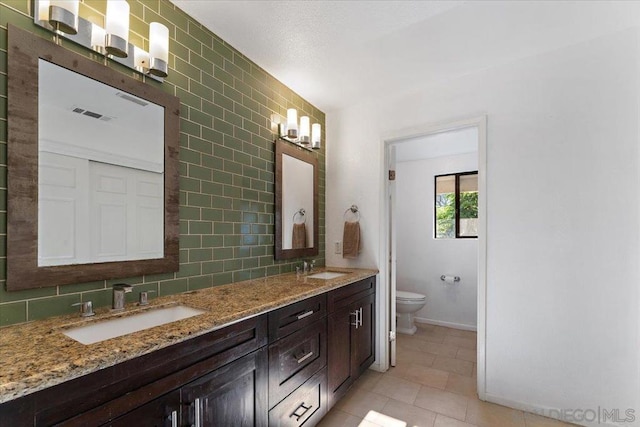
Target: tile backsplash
{"points": [[226, 162]]}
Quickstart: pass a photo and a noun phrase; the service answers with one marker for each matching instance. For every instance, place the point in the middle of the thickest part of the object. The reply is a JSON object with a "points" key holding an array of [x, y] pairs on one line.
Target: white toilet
{"points": [[407, 303]]}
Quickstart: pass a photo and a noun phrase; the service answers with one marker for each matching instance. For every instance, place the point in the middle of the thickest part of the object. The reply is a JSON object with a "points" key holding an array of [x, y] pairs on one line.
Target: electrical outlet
{"points": [[338, 247]]}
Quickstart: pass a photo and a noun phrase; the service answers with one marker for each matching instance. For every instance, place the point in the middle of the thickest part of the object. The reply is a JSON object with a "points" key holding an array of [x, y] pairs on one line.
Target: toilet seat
{"points": [[409, 296]]}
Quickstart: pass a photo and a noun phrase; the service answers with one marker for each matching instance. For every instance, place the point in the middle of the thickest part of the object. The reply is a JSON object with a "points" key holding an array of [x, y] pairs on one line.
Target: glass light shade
{"points": [[159, 41], [117, 27], [63, 15], [304, 130], [316, 135], [97, 37], [117, 22], [43, 10], [292, 123]]}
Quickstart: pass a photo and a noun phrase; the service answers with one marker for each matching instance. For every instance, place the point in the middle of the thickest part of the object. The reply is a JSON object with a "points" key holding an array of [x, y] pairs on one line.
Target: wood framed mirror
{"points": [[296, 233], [92, 184]]}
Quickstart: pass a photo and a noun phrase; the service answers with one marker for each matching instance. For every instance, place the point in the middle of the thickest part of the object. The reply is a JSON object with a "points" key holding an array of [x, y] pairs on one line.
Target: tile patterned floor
{"points": [[433, 385]]}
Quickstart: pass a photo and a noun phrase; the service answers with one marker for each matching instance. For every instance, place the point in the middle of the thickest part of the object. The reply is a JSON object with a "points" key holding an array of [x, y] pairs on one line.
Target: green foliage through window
{"points": [[456, 205]]}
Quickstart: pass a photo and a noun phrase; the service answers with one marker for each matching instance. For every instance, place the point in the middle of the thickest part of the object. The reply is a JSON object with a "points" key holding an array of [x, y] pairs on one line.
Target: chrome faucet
{"points": [[86, 308], [118, 295]]}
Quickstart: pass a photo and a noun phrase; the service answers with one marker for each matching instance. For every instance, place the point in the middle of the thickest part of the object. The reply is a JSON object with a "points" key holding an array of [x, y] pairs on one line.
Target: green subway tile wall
{"points": [[226, 162]]}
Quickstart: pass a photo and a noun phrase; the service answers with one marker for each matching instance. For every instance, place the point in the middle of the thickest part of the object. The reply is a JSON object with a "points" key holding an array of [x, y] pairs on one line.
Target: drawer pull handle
{"points": [[198, 408], [305, 314], [357, 318], [304, 408], [360, 315], [174, 418], [305, 357]]}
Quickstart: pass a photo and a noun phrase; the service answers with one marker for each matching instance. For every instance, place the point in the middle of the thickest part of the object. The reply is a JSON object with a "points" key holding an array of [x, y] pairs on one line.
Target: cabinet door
{"points": [[161, 412], [233, 395], [340, 342], [364, 352]]}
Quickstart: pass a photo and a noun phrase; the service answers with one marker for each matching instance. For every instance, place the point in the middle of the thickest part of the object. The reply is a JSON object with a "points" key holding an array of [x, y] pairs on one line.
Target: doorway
{"points": [[416, 142]]}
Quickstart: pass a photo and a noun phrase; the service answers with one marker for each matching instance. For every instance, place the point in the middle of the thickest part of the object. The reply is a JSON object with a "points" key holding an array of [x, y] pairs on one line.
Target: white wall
{"points": [[563, 214], [423, 259]]}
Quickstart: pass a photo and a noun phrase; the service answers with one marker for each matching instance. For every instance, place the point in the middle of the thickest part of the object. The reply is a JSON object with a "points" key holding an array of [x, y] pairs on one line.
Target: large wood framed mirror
{"points": [[296, 202], [92, 170]]}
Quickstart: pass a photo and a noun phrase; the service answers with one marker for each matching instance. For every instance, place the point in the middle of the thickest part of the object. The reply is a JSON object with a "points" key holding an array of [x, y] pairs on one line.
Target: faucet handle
{"points": [[123, 287], [86, 308], [144, 297]]}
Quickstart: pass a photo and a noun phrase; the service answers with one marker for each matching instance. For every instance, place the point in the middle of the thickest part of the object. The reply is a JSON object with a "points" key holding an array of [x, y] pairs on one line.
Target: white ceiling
{"points": [[337, 53]]}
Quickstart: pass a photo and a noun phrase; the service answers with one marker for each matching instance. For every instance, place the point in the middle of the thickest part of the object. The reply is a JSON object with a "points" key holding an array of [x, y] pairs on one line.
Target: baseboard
{"points": [[583, 417], [375, 366], [446, 324]]}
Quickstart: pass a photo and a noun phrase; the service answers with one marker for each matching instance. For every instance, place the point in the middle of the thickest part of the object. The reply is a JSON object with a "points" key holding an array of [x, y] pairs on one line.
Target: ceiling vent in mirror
{"points": [[132, 99]]}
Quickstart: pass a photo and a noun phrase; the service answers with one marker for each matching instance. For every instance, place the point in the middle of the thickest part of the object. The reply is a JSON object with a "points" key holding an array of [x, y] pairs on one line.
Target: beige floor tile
{"points": [[412, 415], [459, 384], [376, 419], [397, 388], [338, 418], [359, 402], [429, 335], [406, 355], [448, 350], [469, 354], [484, 414], [532, 420], [469, 343], [368, 380], [462, 334], [444, 421], [445, 403], [457, 366], [421, 374]]}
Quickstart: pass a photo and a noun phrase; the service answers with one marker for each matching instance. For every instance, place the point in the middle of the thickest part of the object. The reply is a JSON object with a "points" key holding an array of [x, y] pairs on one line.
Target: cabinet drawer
{"points": [[295, 358], [305, 406], [344, 296], [293, 317]]}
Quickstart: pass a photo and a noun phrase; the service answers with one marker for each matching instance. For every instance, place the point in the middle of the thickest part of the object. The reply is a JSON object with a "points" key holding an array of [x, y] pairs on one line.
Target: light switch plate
{"points": [[338, 247]]}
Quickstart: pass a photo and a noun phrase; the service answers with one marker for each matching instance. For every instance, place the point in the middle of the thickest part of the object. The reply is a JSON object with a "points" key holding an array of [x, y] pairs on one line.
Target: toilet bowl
{"points": [[407, 303]]}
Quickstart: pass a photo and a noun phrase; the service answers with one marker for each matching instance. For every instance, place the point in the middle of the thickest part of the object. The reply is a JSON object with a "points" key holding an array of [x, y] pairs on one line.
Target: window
{"points": [[456, 206]]}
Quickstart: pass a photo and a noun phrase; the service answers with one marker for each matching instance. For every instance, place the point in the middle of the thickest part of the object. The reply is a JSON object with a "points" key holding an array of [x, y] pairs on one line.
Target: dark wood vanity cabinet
{"points": [[351, 331], [153, 389], [284, 368], [298, 363]]}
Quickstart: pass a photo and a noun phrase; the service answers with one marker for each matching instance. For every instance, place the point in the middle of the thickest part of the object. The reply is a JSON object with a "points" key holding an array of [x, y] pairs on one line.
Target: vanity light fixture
{"points": [[304, 135], [117, 28], [158, 49], [61, 17]]}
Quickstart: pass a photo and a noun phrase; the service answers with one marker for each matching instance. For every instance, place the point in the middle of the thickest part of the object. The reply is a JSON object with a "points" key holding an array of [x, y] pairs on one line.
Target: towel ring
{"points": [[302, 213], [354, 210]]}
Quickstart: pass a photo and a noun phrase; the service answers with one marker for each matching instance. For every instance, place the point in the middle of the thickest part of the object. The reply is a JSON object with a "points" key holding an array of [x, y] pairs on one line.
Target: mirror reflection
{"points": [[100, 171], [296, 202]]}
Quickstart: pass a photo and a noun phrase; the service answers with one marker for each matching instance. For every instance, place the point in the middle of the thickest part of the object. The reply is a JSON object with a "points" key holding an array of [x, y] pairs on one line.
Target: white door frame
{"points": [[385, 295]]}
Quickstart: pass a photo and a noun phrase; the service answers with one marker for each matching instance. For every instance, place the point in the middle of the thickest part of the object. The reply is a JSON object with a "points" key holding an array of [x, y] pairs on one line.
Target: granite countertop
{"points": [[37, 355]]}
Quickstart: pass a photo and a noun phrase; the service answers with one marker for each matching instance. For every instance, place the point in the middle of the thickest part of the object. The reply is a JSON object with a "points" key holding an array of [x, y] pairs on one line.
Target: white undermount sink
{"points": [[326, 275], [117, 327]]}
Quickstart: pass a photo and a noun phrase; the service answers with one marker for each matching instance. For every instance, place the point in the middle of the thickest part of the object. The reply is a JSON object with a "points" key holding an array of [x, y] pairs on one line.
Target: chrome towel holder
{"points": [[302, 213], [455, 278], [354, 210]]}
